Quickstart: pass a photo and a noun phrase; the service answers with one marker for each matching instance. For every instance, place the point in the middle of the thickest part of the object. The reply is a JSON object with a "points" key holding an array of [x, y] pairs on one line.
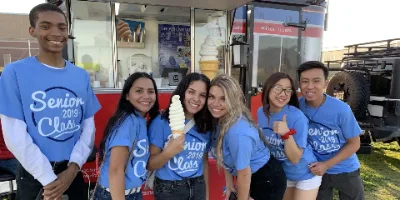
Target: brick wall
{"points": [[14, 26], [15, 38]]}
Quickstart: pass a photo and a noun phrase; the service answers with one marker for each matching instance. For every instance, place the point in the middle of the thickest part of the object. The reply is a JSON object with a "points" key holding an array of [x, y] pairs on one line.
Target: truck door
{"points": [[274, 35]]}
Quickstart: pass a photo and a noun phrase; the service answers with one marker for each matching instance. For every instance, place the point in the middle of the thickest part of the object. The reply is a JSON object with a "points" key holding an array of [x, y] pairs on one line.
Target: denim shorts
{"points": [[102, 194]]}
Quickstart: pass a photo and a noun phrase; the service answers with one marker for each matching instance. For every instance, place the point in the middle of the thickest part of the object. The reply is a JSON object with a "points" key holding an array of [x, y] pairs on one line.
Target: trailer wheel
{"points": [[352, 88]]}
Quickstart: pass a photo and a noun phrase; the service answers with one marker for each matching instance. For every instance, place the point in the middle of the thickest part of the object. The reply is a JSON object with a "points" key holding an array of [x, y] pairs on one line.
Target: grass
{"points": [[380, 172]]}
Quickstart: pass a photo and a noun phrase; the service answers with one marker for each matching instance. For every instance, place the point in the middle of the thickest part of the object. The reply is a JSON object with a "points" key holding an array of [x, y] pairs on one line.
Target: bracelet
{"points": [[289, 133]]}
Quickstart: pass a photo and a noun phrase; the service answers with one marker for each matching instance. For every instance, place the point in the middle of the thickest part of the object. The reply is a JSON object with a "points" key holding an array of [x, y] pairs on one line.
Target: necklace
{"points": [[323, 101]]}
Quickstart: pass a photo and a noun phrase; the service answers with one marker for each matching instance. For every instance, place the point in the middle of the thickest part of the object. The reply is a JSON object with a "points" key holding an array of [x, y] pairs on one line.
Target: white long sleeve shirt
{"points": [[20, 143]]}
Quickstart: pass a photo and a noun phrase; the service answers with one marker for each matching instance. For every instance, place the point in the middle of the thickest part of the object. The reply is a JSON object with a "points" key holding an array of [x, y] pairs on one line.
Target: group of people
{"points": [[298, 149]]}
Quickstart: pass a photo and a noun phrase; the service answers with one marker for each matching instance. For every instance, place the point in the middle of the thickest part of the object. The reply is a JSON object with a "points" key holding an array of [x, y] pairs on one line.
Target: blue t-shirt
{"points": [[52, 102], [330, 126], [132, 129], [242, 147], [189, 162], [295, 119]]}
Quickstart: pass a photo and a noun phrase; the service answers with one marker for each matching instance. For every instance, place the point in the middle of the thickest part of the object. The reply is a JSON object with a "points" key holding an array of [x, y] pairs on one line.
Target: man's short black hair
{"points": [[312, 65], [44, 7]]}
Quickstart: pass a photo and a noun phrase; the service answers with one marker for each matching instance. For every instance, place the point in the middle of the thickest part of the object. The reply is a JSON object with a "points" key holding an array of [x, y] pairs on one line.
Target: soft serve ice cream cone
{"points": [[176, 117], [209, 58]]}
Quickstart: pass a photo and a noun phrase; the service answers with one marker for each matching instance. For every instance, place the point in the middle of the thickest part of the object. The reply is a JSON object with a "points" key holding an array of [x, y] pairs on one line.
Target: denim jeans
{"points": [[187, 189], [9, 165], [102, 194], [269, 182]]}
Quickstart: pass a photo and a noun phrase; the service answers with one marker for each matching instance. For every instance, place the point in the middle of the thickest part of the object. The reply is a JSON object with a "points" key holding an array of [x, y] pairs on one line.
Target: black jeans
{"points": [[187, 189], [269, 182], [349, 185], [29, 188]]}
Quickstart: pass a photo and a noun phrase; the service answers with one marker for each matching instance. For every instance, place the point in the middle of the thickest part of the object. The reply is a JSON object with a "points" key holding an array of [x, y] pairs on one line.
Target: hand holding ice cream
{"points": [[176, 117], [174, 145], [177, 124]]}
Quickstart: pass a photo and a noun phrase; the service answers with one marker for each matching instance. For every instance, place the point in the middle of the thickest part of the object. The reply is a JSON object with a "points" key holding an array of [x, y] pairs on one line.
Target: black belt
{"points": [[60, 165]]}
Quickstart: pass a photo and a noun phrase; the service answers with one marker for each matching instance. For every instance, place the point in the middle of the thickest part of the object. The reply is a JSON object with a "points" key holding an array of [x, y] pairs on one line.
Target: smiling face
{"points": [[51, 31], [216, 102], [142, 95], [279, 95], [195, 98], [312, 85]]}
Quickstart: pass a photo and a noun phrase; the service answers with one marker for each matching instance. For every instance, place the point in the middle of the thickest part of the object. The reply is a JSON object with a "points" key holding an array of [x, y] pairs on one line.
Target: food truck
{"points": [[246, 39]]}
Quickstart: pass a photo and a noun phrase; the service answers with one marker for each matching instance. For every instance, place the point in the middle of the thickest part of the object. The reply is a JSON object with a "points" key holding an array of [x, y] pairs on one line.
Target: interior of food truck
{"points": [[148, 38], [113, 40]]}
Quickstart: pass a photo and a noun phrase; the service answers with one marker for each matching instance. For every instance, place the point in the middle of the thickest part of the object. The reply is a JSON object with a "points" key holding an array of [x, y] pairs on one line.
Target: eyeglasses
{"points": [[278, 90]]}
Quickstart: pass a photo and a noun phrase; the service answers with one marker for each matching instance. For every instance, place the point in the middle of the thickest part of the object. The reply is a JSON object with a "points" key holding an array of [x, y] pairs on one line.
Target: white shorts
{"points": [[308, 184]]}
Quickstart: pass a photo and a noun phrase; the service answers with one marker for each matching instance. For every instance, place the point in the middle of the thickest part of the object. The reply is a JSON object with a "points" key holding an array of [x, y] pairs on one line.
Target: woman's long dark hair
{"points": [[203, 119], [270, 83], [125, 108]]}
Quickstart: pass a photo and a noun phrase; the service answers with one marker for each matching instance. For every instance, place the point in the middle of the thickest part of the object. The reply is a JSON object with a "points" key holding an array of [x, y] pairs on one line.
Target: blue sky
{"points": [[350, 21]]}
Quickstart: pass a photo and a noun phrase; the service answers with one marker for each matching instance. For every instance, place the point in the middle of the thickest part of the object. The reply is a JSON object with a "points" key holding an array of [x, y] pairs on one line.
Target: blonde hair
{"points": [[235, 104]]}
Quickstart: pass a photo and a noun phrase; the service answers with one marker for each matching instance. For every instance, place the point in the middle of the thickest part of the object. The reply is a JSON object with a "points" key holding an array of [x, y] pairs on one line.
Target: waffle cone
{"points": [[209, 68], [177, 132]]}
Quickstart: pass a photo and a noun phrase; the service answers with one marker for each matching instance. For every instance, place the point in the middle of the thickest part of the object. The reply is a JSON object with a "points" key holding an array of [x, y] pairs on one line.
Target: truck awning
{"points": [[215, 4], [204, 4]]}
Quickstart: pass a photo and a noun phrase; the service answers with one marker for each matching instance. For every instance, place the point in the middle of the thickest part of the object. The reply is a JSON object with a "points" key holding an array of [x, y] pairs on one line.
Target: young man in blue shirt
{"points": [[46, 108], [333, 134]]}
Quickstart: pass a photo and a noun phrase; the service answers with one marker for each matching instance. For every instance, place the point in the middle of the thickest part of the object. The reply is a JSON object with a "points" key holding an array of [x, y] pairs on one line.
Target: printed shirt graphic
{"points": [[296, 120], [131, 129], [242, 148], [52, 102], [189, 162], [330, 126]]}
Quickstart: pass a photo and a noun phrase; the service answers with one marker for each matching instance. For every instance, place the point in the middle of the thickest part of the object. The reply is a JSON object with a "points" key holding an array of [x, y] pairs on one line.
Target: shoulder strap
{"points": [[133, 149], [130, 153], [188, 126], [104, 156]]}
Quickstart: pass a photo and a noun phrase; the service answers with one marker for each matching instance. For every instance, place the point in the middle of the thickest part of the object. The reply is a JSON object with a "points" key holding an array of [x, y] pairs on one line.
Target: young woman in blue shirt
{"points": [[181, 164], [285, 128], [125, 143], [238, 146]]}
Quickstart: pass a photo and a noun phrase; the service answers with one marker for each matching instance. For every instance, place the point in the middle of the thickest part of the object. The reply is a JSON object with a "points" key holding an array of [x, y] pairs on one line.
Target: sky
{"points": [[356, 21], [349, 21]]}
